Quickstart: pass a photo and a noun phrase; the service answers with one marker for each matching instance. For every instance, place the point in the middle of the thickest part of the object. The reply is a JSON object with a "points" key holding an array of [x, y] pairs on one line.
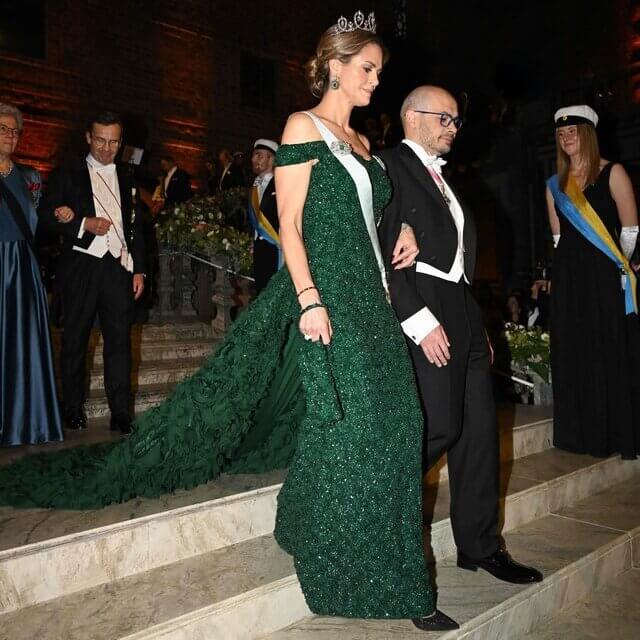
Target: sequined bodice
{"points": [[335, 234]]}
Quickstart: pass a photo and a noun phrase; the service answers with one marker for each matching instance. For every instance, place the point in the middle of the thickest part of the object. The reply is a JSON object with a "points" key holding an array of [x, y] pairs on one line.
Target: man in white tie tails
{"points": [[444, 329], [101, 268], [263, 214]]}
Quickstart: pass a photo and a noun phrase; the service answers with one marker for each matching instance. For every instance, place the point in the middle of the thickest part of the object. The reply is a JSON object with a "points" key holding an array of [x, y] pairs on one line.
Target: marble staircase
{"points": [[163, 354], [202, 564], [610, 612]]}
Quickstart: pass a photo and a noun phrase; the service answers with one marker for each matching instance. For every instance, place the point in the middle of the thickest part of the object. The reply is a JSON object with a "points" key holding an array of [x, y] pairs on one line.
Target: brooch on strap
{"points": [[340, 148]]}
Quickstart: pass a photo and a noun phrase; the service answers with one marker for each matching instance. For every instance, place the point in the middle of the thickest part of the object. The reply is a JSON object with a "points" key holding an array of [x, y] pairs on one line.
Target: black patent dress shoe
{"points": [[437, 621], [76, 423], [121, 424], [502, 566]]}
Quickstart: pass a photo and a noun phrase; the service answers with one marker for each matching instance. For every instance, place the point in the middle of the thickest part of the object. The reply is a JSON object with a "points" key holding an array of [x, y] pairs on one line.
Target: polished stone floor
{"points": [[612, 613]]}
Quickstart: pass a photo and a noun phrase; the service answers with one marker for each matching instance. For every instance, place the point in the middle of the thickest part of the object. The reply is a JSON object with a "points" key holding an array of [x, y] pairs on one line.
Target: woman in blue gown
{"points": [[29, 412]]}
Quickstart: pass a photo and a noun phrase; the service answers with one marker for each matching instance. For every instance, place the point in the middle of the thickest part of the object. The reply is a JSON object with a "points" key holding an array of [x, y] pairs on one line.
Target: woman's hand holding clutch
{"points": [[314, 319]]}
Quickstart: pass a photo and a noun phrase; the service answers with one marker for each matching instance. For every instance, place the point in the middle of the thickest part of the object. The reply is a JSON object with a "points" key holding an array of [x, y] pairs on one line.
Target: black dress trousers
{"points": [[93, 285], [461, 418], [265, 263]]}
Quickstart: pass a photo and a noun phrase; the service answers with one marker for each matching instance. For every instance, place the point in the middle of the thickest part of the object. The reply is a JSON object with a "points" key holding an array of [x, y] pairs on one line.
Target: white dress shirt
{"points": [[224, 173], [423, 322], [106, 199], [261, 182], [168, 177]]}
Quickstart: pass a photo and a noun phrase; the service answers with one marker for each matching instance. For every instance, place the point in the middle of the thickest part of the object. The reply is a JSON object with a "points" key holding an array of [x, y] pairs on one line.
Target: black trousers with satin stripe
{"points": [[460, 418], [96, 285]]}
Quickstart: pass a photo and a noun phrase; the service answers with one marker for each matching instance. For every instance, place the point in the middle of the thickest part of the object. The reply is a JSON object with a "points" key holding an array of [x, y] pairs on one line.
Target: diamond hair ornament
{"points": [[359, 22]]}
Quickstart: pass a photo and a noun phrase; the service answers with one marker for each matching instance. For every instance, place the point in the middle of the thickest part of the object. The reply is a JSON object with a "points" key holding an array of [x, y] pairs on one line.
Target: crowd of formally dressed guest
{"points": [[108, 286], [370, 347]]}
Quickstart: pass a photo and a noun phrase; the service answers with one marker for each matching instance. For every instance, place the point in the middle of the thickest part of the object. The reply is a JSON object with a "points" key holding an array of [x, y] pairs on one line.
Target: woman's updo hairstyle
{"points": [[337, 45]]}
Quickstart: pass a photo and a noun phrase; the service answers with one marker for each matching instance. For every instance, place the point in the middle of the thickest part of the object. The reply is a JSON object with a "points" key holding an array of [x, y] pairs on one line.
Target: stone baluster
{"points": [[186, 280], [222, 299], [165, 307]]}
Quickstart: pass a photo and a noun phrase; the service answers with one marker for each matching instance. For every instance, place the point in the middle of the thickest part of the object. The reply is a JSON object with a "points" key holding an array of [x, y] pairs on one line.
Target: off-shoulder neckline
{"points": [[326, 146]]}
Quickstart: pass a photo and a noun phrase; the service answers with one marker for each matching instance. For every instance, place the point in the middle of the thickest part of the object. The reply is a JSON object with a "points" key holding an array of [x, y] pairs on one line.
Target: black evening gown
{"points": [[595, 347]]}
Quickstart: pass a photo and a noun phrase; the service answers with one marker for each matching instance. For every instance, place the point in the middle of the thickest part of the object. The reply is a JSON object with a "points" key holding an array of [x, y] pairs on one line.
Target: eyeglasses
{"points": [[101, 142], [445, 118], [9, 131]]}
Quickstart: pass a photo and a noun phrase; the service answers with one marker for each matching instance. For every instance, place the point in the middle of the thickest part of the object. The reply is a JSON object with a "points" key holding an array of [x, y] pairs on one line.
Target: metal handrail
{"points": [[193, 256]]}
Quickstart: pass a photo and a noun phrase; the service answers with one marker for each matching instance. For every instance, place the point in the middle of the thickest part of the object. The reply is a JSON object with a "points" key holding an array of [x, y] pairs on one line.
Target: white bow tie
{"points": [[104, 169], [434, 162], [108, 169]]}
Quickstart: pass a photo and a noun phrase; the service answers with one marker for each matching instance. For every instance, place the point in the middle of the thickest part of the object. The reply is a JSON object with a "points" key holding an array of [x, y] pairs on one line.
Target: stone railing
{"points": [[190, 286]]}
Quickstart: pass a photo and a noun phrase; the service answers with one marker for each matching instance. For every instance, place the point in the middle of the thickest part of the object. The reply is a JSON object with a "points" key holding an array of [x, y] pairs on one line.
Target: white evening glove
{"points": [[628, 237]]}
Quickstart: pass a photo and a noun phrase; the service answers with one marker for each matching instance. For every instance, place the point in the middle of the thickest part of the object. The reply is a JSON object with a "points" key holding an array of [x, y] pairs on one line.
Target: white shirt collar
{"points": [[263, 178], [433, 162], [172, 171], [108, 169]]}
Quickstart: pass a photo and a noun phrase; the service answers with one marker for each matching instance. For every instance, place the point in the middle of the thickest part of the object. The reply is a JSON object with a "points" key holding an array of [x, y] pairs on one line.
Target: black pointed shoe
{"points": [[76, 422], [501, 566], [437, 621]]}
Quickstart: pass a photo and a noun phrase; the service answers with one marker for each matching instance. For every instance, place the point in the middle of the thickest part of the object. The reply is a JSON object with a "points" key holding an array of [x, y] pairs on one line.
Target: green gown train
{"points": [[345, 419]]}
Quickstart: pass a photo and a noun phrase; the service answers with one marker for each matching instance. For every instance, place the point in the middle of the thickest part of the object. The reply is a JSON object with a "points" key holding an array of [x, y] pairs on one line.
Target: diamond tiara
{"points": [[359, 22]]}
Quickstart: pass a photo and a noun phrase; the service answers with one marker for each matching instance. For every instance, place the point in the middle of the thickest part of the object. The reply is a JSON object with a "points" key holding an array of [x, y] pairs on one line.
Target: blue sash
{"points": [[575, 207], [261, 225]]}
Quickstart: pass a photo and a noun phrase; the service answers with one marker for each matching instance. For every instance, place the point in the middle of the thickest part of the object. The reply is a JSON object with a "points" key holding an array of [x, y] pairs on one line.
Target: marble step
{"points": [[153, 332], [46, 554], [236, 592], [579, 549], [49, 554], [150, 372], [249, 591], [145, 397], [532, 487], [188, 349], [520, 435], [610, 612]]}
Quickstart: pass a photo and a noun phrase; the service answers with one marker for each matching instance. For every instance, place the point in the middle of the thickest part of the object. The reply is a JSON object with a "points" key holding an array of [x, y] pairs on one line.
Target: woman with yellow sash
{"points": [[595, 332]]}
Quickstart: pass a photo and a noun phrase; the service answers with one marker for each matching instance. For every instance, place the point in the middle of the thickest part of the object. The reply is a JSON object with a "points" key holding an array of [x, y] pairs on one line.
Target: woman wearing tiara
{"points": [[333, 393]]}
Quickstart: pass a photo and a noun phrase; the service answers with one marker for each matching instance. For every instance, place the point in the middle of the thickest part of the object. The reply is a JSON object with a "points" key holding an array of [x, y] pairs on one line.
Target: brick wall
{"points": [[171, 68]]}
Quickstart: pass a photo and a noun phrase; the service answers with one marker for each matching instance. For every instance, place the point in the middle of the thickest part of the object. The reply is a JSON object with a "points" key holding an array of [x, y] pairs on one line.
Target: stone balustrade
{"points": [[189, 286]]}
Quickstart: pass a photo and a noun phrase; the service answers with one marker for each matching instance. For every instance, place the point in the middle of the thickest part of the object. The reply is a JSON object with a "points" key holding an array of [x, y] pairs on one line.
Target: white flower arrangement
{"points": [[203, 224], [529, 349]]}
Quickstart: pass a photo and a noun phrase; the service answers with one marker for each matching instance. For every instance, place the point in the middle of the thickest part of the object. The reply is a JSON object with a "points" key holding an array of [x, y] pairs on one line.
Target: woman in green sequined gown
{"points": [[345, 417]]}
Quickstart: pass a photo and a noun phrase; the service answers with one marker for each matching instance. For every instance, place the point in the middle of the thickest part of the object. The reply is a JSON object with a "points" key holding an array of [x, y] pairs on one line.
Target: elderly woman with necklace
{"points": [[595, 335], [29, 411]]}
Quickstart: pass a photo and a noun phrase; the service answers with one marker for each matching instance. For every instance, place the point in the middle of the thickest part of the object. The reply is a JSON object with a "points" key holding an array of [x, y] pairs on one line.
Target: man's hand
{"points": [[537, 286], [436, 347], [64, 214], [138, 285], [97, 226], [406, 249]]}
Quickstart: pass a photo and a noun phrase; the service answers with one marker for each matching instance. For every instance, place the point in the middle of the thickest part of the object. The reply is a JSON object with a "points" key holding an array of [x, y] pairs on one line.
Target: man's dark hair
{"points": [[168, 158], [104, 118]]}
